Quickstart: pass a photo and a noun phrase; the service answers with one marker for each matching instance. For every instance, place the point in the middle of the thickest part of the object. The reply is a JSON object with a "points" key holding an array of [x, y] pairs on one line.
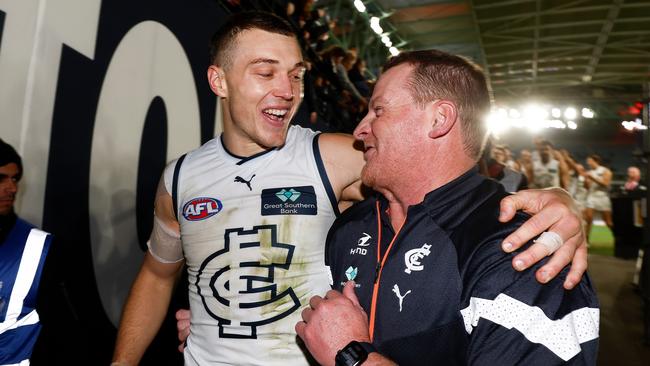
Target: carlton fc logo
{"points": [[244, 285], [201, 208]]}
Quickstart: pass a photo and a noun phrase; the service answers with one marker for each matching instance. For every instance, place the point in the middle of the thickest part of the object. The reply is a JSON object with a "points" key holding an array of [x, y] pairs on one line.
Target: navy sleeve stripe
{"points": [[323, 176], [177, 170]]}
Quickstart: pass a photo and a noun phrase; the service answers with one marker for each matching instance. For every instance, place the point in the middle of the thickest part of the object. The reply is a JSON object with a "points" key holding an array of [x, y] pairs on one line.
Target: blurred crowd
{"points": [[545, 166], [337, 84]]}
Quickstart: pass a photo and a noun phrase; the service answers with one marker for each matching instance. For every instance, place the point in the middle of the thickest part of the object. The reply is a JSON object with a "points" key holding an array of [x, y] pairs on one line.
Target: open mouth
{"points": [[275, 114]]}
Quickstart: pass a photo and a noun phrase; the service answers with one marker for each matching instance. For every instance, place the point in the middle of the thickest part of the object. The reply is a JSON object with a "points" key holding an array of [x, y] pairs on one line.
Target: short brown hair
{"points": [[440, 75], [223, 40]]}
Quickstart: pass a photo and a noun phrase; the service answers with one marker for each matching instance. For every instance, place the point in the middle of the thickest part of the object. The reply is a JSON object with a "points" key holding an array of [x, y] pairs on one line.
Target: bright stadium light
{"points": [[393, 51], [360, 6], [374, 24], [572, 125], [514, 113], [386, 41], [497, 121], [587, 113], [556, 112], [570, 113], [634, 125], [556, 123]]}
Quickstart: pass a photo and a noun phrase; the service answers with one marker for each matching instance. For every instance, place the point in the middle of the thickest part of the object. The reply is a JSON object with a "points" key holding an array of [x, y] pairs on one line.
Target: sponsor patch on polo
{"points": [[289, 201]]}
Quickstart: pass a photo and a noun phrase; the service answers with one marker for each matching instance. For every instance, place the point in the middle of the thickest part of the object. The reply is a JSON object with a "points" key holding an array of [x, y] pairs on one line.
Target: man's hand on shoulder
{"points": [[553, 210]]}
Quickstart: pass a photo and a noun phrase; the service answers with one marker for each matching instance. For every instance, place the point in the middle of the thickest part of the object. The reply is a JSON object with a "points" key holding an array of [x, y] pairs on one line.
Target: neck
{"points": [[6, 223], [240, 146], [236, 141], [409, 189]]}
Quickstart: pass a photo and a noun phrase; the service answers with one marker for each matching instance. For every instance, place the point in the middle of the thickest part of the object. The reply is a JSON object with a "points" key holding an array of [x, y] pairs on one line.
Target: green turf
{"points": [[601, 241]]}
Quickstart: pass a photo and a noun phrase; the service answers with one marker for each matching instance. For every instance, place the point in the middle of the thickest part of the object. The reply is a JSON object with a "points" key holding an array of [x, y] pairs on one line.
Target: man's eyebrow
{"points": [[300, 64], [271, 61], [375, 101], [262, 60]]}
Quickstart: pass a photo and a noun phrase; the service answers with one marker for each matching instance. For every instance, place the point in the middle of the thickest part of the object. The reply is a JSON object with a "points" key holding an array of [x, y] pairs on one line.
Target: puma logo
{"points": [[239, 179], [400, 297]]}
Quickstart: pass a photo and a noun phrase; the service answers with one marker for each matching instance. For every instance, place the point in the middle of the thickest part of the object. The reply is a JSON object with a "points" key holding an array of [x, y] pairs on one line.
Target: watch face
{"points": [[351, 355]]}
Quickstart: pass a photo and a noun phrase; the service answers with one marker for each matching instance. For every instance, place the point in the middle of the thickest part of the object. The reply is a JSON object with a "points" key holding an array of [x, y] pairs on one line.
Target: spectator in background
{"points": [[336, 55], [577, 185], [509, 161], [525, 162], [512, 180], [357, 75], [23, 249], [547, 170], [598, 178], [632, 183]]}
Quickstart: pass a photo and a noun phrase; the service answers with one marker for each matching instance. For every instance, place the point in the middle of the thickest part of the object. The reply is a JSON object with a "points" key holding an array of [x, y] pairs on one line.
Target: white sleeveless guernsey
{"points": [[253, 232]]}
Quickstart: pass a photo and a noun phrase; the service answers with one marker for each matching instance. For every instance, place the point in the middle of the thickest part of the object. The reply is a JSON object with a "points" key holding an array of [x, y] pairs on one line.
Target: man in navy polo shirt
{"points": [[418, 273]]}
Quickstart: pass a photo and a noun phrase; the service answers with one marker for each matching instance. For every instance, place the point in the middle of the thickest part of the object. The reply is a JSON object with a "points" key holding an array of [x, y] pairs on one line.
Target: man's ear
{"points": [[217, 81], [445, 116]]}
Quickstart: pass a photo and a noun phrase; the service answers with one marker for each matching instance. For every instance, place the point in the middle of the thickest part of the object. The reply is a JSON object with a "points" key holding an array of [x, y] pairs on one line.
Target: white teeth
{"points": [[276, 112]]}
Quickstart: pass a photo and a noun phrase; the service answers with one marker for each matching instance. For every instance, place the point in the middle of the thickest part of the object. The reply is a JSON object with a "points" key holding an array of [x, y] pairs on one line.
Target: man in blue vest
{"points": [[23, 249]]}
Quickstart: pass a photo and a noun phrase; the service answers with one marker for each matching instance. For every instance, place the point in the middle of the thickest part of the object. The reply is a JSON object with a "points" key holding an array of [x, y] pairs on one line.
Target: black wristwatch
{"points": [[355, 353]]}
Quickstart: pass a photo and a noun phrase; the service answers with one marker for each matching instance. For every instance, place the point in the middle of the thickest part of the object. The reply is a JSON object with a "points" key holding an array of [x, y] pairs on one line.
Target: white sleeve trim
{"points": [[562, 336]]}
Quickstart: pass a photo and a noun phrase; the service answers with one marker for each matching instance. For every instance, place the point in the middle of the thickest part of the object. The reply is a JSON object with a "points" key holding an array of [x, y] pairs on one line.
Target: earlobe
{"points": [[217, 81]]}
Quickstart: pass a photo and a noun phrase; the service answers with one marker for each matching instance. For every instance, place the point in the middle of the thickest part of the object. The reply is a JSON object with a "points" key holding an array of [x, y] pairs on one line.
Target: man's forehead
{"points": [[9, 169], [257, 44], [391, 81]]}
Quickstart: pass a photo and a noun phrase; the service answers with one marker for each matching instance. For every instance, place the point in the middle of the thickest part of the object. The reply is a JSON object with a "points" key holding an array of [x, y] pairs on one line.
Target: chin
{"points": [[368, 178], [276, 139]]}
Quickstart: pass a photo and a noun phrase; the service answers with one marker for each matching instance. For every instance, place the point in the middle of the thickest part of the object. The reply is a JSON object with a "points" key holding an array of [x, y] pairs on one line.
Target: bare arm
{"points": [[607, 178], [343, 163], [564, 169], [149, 297], [145, 309]]}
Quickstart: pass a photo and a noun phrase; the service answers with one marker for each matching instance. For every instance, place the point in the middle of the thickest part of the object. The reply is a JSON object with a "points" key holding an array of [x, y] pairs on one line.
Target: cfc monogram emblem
{"points": [[237, 284], [413, 257]]}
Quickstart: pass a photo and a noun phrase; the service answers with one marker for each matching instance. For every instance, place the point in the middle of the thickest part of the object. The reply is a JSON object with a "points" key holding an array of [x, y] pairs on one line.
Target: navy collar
{"points": [[243, 159]]}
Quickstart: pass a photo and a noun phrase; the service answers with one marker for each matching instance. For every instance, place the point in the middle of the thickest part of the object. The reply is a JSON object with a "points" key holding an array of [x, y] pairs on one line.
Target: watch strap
{"points": [[368, 347], [354, 353]]}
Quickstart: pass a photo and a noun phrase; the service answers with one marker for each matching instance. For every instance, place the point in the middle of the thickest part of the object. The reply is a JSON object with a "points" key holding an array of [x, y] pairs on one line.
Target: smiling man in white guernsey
{"points": [[249, 211]]}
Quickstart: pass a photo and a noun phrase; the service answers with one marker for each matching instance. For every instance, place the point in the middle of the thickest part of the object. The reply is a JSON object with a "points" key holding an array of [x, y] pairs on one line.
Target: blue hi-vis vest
{"points": [[22, 256]]}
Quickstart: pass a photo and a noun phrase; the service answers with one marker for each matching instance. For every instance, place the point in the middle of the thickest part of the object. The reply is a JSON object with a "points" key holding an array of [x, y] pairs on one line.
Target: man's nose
{"points": [[10, 186], [363, 128], [284, 88]]}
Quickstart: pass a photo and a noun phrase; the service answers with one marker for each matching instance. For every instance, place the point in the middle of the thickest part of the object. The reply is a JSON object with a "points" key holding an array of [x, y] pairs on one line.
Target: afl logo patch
{"points": [[201, 208]]}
